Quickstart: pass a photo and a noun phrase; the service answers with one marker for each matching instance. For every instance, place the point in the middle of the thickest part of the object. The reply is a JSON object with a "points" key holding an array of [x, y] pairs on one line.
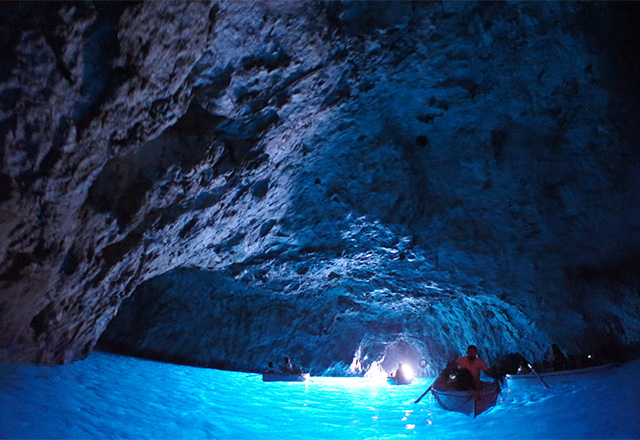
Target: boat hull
{"points": [[471, 402], [279, 377], [554, 377], [398, 381]]}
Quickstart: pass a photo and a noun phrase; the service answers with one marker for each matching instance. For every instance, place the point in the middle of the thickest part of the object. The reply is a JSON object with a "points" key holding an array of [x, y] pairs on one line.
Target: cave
{"points": [[219, 184]]}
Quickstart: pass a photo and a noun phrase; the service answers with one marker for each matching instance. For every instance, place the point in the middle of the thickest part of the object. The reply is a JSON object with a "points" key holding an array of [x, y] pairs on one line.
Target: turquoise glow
{"points": [[109, 396]]}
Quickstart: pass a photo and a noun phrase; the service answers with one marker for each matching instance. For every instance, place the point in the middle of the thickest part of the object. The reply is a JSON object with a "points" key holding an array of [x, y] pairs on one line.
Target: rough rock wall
{"points": [[437, 173], [82, 85]]}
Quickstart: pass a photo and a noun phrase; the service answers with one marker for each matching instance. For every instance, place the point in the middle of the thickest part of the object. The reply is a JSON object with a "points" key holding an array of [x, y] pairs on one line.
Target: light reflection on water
{"points": [[108, 396]]}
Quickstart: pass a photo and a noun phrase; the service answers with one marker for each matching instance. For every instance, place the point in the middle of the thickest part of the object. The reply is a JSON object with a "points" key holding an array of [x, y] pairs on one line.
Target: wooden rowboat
{"points": [[471, 402], [555, 377], [282, 377]]}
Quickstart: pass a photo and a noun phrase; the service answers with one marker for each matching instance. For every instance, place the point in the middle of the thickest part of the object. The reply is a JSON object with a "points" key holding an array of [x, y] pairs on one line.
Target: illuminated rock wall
{"points": [[332, 177], [195, 317]]}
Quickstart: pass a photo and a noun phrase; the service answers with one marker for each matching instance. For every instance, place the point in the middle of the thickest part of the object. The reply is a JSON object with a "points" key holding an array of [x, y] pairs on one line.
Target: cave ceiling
{"points": [[344, 181]]}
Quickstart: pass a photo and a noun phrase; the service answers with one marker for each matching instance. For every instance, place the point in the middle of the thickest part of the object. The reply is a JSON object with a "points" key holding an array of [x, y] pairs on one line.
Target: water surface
{"points": [[110, 396]]}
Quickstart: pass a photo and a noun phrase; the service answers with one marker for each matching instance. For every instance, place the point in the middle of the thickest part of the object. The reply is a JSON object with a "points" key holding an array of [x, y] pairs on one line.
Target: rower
{"points": [[474, 364]]}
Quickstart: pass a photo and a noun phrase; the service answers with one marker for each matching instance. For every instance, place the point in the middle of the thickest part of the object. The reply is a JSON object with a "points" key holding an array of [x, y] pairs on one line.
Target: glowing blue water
{"points": [[108, 396]]}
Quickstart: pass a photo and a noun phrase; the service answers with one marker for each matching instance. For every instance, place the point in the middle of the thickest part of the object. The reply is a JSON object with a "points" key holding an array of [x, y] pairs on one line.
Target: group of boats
{"points": [[470, 402]]}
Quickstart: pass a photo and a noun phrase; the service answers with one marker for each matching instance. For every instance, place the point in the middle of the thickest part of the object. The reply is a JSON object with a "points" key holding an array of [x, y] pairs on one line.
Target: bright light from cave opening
{"points": [[377, 373], [408, 371]]}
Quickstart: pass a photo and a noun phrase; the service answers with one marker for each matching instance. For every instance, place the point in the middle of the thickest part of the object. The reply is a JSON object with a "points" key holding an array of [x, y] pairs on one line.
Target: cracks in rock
{"points": [[188, 227], [272, 58], [100, 77], [19, 261], [123, 184], [41, 322]]}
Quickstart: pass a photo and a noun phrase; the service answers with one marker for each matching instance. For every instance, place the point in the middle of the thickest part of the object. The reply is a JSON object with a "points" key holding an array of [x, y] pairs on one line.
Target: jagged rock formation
{"points": [[334, 181]]}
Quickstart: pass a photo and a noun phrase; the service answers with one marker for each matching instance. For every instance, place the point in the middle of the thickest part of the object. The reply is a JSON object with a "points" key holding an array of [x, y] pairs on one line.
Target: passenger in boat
{"points": [[475, 365], [271, 368], [400, 374], [287, 367]]}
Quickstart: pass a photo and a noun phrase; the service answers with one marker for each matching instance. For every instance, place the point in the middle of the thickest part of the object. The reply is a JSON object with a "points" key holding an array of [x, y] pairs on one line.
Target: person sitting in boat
{"points": [[287, 366], [474, 365], [400, 374], [271, 369]]}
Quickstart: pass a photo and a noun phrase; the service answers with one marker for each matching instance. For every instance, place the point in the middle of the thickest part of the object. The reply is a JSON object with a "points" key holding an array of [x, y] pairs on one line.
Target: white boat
{"points": [[285, 377], [554, 377]]}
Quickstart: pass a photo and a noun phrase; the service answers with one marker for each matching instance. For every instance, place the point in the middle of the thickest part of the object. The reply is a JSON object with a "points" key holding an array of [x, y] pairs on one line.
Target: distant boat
{"points": [[399, 380], [282, 377], [470, 402], [555, 377], [402, 376]]}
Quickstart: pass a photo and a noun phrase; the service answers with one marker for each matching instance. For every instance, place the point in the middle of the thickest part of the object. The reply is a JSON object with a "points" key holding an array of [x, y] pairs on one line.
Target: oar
{"points": [[536, 373], [425, 393]]}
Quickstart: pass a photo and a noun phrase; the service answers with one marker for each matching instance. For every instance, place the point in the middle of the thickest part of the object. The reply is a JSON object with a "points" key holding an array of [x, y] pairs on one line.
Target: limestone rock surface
{"points": [[347, 183]]}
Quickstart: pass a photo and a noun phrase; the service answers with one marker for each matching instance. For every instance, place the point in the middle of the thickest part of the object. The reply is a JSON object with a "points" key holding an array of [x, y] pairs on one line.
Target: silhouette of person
{"points": [[559, 361], [287, 367]]}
